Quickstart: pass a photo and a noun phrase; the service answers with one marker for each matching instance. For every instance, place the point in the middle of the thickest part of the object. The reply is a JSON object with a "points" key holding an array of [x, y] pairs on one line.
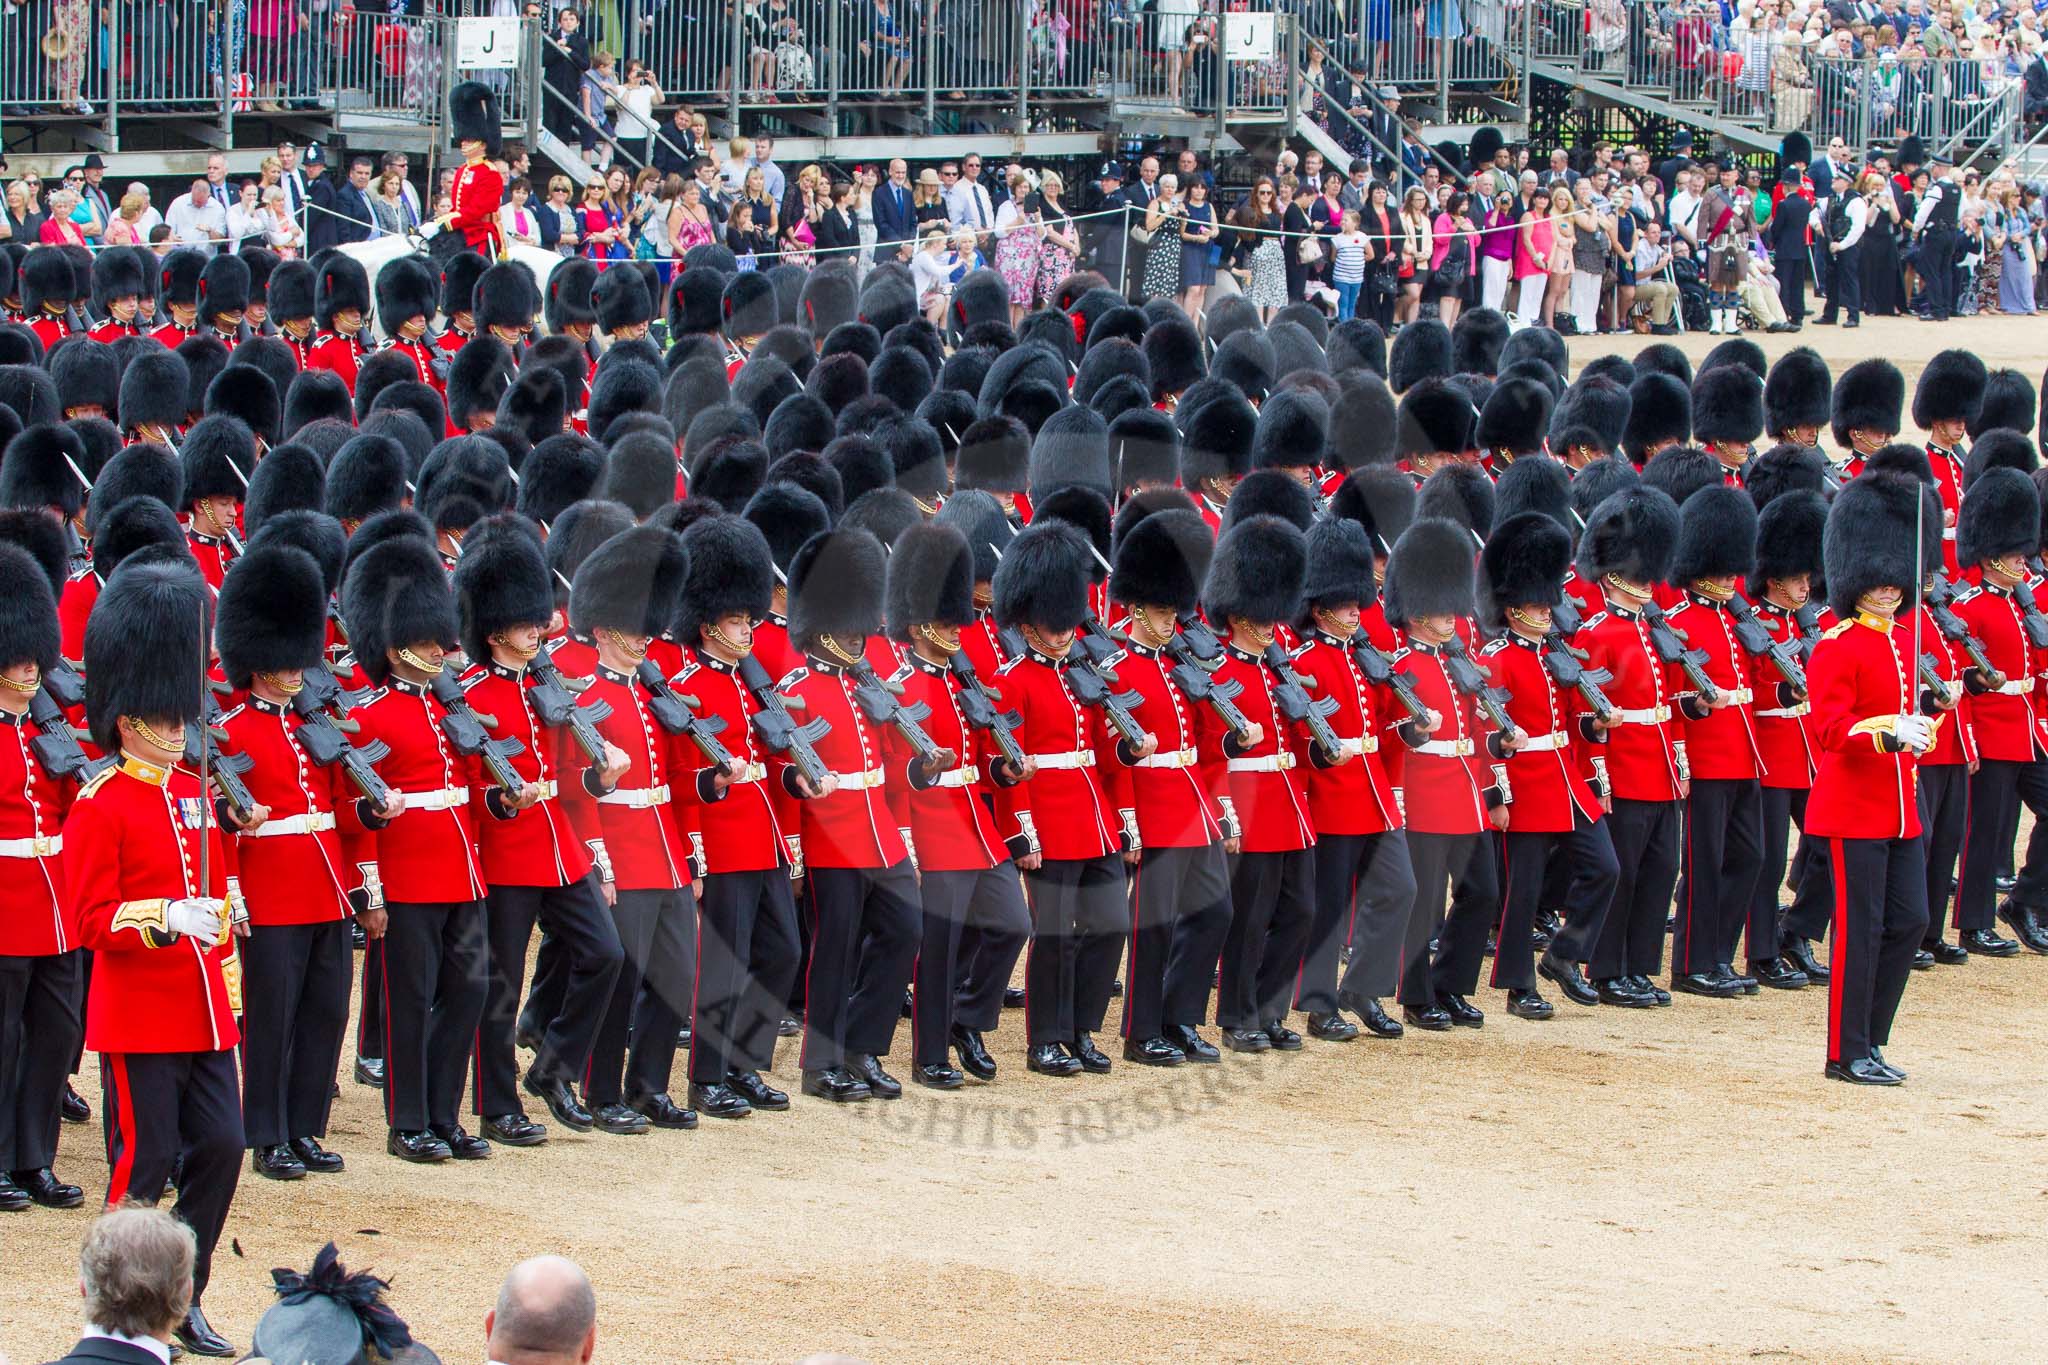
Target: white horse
{"points": [[378, 252]]}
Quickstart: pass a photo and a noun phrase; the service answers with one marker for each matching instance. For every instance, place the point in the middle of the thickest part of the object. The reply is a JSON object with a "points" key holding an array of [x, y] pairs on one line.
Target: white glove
{"points": [[197, 917], [1915, 732]]}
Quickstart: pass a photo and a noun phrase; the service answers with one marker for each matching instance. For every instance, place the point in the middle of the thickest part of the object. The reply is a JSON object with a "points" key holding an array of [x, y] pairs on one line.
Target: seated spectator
{"points": [[515, 219], [556, 219], [135, 1275], [330, 1316], [546, 1315]]}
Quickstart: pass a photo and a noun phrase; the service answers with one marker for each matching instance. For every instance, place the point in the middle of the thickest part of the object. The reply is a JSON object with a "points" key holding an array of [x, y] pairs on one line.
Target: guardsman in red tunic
{"points": [[1788, 538], [295, 869], [47, 285], [1945, 402], [1552, 811], [458, 298], [117, 285], [177, 293], [2000, 527], [1871, 718], [623, 305], [1867, 404], [1796, 397], [571, 315], [405, 304], [290, 303], [994, 458], [478, 379], [149, 885], [479, 189], [743, 834], [223, 299], [536, 866], [1944, 777], [965, 871], [1072, 837], [1728, 416], [42, 979], [217, 455], [1437, 425], [861, 889], [341, 312], [1217, 432], [506, 304], [979, 518], [1178, 796], [1453, 794], [425, 914], [123, 522], [786, 516], [621, 600], [1723, 811], [746, 312]]}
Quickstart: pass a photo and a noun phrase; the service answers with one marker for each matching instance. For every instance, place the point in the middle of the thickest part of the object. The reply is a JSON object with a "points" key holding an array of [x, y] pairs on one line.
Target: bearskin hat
{"points": [[838, 380], [1594, 412], [1357, 344], [1727, 405], [561, 470], [979, 517], [505, 296], [1340, 566], [1043, 578], [1784, 469], [28, 610], [1736, 351], [863, 415], [341, 284], [1381, 499], [2008, 402], [694, 302], [1295, 349], [394, 595], [640, 471], [287, 478], [223, 287], [1047, 327], [836, 583], [142, 648], [763, 383], [45, 277], [1246, 358], [1271, 492], [536, 406], [459, 277], [115, 275], [272, 613], [205, 356], [729, 570], [1460, 493], [902, 375], [177, 279], [1363, 425], [981, 296], [1683, 471], [313, 533], [22, 348], [1108, 360], [630, 583], [732, 471], [1217, 439], [931, 579], [625, 386], [501, 581], [1162, 560], [32, 395], [246, 393], [1225, 314], [621, 299], [1173, 354], [291, 291], [1429, 572], [1476, 341], [827, 299], [1901, 457], [1016, 367], [42, 537], [713, 425], [2000, 517], [1536, 484], [1999, 448], [966, 369], [787, 515], [1420, 351], [1869, 538], [406, 288], [143, 470], [141, 527], [566, 300], [1144, 449], [1258, 571], [995, 454], [1788, 536], [41, 470], [1291, 431], [1951, 389], [917, 460], [1435, 416], [808, 470], [1868, 397], [1716, 535], [1524, 563], [1087, 511], [1797, 392], [366, 476], [1659, 415], [479, 379], [1662, 357], [473, 117], [1633, 533], [861, 464], [1515, 418], [949, 412], [218, 455], [1537, 343], [86, 375], [747, 306], [1072, 448]]}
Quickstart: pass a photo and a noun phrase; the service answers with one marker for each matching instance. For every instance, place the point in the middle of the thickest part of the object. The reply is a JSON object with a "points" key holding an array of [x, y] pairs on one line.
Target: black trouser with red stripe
{"points": [[1722, 843], [1645, 838], [42, 1017], [576, 915], [2031, 887], [1944, 790], [1587, 851], [1782, 809], [951, 902], [182, 1109], [295, 982], [1079, 918], [1466, 866], [1880, 917], [1180, 914], [1272, 903], [864, 932], [1994, 822], [998, 927], [370, 1016], [746, 959], [434, 960], [634, 1052], [1365, 891]]}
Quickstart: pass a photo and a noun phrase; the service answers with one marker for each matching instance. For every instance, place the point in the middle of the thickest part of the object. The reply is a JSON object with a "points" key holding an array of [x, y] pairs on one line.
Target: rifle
{"points": [[1469, 679], [677, 715], [878, 700], [1377, 669], [1756, 639], [465, 728], [322, 739], [978, 705], [1671, 646], [1939, 601], [1291, 695], [1930, 675], [779, 730], [1191, 676], [1567, 668], [64, 684], [326, 693], [1092, 685], [1202, 645], [223, 771], [56, 742], [2031, 616], [1807, 617], [554, 701]]}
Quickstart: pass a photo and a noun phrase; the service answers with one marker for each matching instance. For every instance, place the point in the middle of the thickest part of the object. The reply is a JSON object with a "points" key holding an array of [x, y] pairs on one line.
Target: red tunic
{"points": [[1176, 792], [293, 869], [1719, 743], [111, 331], [1265, 782], [478, 192], [50, 329], [1355, 797], [637, 820], [213, 556], [2006, 723], [536, 846], [422, 354], [949, 820], [428, 854], [1948, 481], [341, 354], [302, 351], [852, 827], [1641, 761], [1955, 742], [1781, 726], [1546, 791], [135, 843], [74, 608], [743, 830], [37, 918], [1861, 673], [1447, 786], [175, 334], [1063, 810]]}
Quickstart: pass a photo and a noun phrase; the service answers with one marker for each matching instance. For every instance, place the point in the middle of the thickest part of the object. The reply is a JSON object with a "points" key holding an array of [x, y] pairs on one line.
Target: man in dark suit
{"points": [[352, 201], [1110, 233], [135, 1272], [2034, 87], [320, 220], [895, 212], [1785, 233]]}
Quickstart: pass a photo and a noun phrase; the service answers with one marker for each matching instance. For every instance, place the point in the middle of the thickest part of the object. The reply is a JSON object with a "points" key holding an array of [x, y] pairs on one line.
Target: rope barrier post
{"points": [[1222, 82], [531, 58], [114, 40], [740, 68], [931, 64], [1023, 69], [835, 76], [1123, 281], [226, 37], [1528, 56]]}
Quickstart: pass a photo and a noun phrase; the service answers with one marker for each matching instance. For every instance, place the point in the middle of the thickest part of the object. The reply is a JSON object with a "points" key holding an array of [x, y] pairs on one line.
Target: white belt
{"points": [[959, 777], [1446, 748], [1948, 533], [1271, 763], [1642, 715], [2015, 687], [1364, 744], [447, 798], [1169, 758], [41, 846], [547, 789], [859, 782], [309, 822], [636, 798], [1786, 712], [1543, 744], [1738, 696], [1079, 758], [753, 772]]}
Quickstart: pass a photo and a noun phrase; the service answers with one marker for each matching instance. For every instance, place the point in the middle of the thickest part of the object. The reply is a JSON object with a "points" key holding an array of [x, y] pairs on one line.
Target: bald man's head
{"points": [[546, 1315]]}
